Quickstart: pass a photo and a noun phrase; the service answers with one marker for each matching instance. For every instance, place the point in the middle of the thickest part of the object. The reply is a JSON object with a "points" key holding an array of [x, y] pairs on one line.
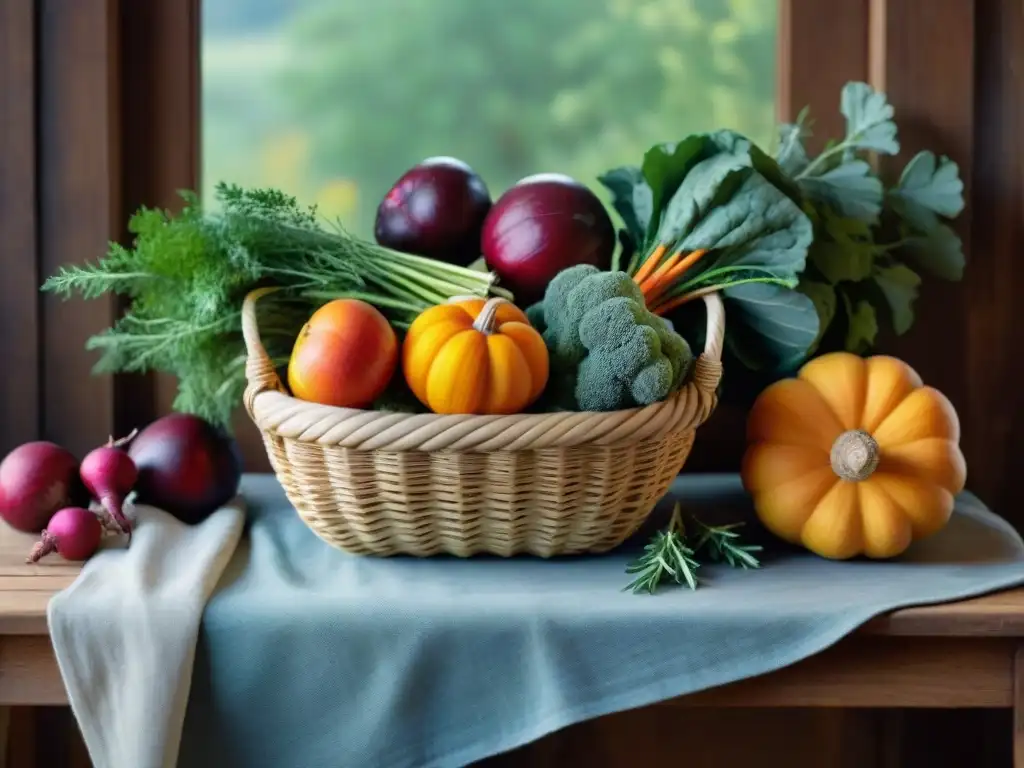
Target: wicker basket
{"points": [[381, 483]]}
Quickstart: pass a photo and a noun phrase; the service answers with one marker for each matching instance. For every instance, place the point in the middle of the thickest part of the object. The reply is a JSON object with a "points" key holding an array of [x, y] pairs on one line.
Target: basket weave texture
{"points": [[546, 484]]}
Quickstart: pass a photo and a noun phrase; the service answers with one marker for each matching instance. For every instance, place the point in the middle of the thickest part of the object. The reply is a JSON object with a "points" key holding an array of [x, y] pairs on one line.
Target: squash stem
{"points": [[487, 321], [854, 455]]}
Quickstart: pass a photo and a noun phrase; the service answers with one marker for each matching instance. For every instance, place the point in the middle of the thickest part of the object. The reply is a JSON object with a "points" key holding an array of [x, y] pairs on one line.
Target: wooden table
{"points": [[959, 655]]}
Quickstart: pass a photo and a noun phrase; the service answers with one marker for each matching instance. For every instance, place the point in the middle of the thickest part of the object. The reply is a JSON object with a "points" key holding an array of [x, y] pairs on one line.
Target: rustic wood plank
{"points": [[698, 738], [21, 743], [822, 46], [1018, 708], [160, 78], [19, 297], [855, 673], [78, 193], [30, 673], [997, 615], [994, 418], [921, 53], [881, 673]]}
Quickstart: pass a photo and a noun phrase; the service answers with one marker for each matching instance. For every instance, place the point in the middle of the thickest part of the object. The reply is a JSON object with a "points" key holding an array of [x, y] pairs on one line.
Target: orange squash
{"points": [[852, 457], [475, 356]]}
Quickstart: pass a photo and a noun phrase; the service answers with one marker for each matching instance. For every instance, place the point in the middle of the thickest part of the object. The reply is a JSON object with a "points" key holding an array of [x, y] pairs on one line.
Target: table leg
{"points": [[5, 726], [1018, 708]]}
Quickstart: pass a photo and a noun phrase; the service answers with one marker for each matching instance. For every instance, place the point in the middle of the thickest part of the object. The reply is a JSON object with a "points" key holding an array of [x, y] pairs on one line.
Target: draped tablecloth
{"points": [[312, 658]]}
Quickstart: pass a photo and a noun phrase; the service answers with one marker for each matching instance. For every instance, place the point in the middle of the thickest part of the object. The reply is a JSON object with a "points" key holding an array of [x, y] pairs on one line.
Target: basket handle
{"points": [[707, 371], [715, 336], [260, 373]]}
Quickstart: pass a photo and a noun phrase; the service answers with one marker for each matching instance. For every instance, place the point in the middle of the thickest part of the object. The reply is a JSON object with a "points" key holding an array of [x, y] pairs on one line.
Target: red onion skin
{"points": [[542, 225], [110, 475], [186, 466], [436, 209], [36, 480], [73, 532]]}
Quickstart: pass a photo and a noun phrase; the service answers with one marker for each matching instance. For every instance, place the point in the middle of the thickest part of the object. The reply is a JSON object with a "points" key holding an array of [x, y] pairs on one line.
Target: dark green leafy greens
{"points": [[870, 241], [719, 192], [802, 247]]}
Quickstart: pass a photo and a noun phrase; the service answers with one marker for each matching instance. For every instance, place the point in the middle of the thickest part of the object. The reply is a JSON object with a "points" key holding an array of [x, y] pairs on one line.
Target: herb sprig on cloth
{"points": [[672, 556], [186, 276]]}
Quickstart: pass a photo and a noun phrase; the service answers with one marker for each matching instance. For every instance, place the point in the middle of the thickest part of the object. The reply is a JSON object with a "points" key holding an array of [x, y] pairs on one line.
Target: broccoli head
{"points": [[607, 345], [535, 314], [573, 293]]}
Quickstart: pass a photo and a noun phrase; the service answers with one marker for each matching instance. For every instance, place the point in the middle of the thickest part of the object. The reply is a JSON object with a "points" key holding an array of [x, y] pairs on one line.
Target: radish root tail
{"points": [[47, 543], [112, 506], [112, 443]]}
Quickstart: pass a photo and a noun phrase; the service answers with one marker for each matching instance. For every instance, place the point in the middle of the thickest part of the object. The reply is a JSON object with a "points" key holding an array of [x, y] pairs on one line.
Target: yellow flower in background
{"points": [[285, 160], [338, 198]]}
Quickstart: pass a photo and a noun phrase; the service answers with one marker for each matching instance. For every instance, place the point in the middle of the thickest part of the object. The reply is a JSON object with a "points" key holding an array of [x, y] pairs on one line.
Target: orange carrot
{"points": [[678, 301], [649, 265], [672, 275], [656, 276]]}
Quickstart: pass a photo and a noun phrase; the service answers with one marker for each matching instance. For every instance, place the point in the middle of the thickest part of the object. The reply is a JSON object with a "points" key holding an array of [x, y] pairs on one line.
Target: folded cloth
{"points": [[312, 658], [124, 634]]}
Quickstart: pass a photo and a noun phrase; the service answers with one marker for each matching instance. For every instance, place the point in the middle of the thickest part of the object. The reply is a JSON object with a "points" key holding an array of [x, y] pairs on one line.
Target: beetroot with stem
{"points": [[187, 467], [73, 532], [37, 479], [110, 475], [436, 209]]}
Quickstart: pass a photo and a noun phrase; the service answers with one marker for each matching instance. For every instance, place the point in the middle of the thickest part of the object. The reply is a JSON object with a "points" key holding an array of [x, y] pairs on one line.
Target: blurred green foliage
{"points": [[332, 100]]}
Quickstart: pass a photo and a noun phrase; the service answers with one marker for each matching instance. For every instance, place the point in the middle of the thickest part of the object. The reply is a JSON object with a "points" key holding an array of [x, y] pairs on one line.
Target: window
{"points": [[332, 100]]}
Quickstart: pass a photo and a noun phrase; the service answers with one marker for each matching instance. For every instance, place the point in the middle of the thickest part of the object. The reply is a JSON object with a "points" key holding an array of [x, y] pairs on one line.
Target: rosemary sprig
{"points": [[722, 546], [669, 556]]}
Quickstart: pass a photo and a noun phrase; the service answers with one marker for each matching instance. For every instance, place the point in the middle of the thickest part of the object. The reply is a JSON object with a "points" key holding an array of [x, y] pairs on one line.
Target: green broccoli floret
{"points": [[535, 314], [573, 293], [560, 326], [607, 345], [675, 348], [633, 358]]}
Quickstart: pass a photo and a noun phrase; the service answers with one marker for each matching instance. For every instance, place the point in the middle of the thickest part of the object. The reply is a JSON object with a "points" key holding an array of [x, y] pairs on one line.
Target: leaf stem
{"points": [[813, 165]]}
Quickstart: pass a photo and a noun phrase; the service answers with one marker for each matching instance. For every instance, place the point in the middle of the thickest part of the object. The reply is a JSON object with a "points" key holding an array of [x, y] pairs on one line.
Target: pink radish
{"points": [[110, 475], [37, 479], [74, 533]]}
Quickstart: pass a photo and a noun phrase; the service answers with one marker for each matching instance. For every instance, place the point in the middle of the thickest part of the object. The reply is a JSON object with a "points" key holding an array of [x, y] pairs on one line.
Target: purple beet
{"points": [[187, 467], [436, 209]]}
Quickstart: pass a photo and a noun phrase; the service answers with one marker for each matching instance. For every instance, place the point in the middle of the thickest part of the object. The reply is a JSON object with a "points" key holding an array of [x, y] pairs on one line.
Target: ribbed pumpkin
{"points": [[475, 356], [854, 456]]}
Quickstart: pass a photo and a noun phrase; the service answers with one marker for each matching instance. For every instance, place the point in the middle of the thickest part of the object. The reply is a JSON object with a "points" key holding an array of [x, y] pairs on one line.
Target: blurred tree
{"points": [[242, 16], [513, 88]]}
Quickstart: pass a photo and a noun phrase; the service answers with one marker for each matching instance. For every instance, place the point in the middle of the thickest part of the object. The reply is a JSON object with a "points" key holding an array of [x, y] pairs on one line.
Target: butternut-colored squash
{"points": [[853, 456], [475, 356]]}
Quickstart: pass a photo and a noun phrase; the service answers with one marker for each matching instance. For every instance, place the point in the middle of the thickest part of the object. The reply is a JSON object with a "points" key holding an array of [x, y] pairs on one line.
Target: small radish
{"points": [[73, 532], [110, 475]]}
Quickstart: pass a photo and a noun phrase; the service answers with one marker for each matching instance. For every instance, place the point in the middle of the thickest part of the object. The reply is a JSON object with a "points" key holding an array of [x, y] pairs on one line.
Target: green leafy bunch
{"points": [[806, 251], [719, 193], [871, 239], [185, 277]]}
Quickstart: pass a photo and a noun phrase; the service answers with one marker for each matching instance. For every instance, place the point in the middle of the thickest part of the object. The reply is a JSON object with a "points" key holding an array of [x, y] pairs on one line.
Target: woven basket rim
{"points": [[275, 412]]}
